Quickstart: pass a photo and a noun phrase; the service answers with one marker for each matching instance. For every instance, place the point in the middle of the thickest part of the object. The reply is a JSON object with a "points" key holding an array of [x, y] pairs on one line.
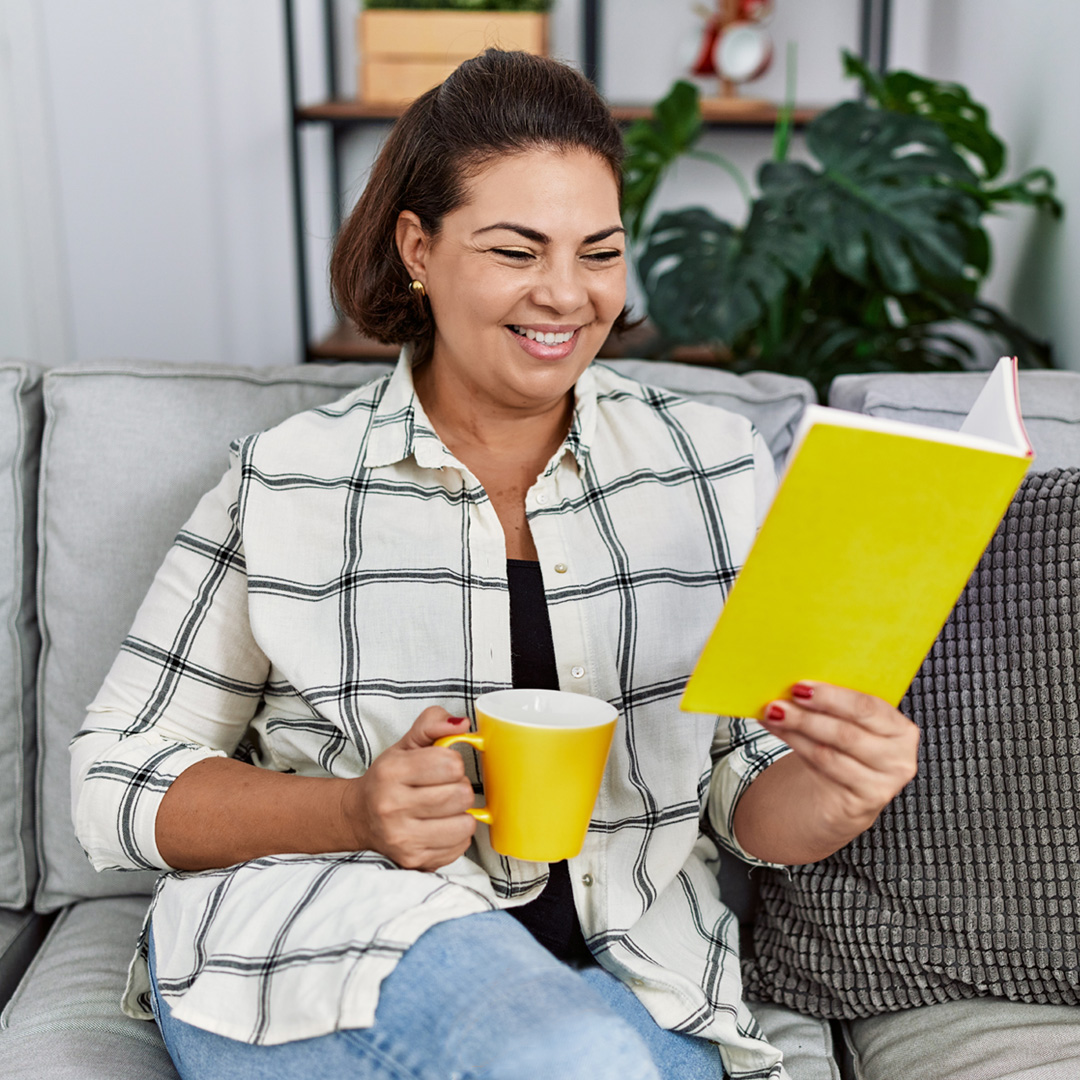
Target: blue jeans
{"points": [[475, 998]]}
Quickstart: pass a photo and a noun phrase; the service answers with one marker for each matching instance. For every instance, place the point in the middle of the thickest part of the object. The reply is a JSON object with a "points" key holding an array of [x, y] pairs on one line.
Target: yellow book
{"points": [[874, 531]]}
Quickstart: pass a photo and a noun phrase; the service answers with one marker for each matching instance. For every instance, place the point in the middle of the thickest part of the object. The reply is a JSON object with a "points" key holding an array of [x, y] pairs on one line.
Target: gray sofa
{"points": [[99, 467]]}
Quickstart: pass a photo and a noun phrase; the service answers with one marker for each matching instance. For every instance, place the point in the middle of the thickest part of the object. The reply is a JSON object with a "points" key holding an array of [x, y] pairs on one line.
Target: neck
{"points": [[465, 419]]}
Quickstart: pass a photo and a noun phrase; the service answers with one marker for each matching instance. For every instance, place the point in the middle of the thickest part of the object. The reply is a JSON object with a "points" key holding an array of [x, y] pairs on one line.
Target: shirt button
{"points": [[577, 672], [637, 982], [587, 880], [560, 568], [542, 499]]}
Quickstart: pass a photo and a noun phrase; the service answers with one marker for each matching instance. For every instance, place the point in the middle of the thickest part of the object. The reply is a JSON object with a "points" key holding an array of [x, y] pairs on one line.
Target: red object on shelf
{"points": [[752, 10], [704, 64]]}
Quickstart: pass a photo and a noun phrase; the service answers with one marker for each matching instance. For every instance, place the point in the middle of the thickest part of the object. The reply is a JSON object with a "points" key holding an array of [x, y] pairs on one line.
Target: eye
{"points": [[517, 254], [603, 256]]}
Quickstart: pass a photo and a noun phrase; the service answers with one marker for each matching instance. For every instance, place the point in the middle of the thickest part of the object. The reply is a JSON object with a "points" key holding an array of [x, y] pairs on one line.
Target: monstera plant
{"points": [[869, 257]]}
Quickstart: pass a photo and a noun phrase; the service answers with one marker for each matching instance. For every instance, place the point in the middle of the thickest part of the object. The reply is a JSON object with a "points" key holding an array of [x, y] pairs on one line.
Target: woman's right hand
{"points": [[410, 804]]}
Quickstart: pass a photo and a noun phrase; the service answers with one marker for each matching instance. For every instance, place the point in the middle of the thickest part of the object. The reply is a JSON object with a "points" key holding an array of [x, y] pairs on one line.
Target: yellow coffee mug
{"points": [[544, 756]]}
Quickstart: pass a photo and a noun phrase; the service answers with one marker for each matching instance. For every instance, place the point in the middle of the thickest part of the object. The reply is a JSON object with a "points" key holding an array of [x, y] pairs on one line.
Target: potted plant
{"points": [[870, 257], [408, 46]]}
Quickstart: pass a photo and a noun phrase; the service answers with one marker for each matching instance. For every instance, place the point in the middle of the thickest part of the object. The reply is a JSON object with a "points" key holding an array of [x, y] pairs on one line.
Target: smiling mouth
{"points": [[544, 338]]}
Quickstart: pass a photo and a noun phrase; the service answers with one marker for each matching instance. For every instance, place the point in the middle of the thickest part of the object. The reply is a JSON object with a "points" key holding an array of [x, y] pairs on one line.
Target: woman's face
{"points": [[525, 278]]}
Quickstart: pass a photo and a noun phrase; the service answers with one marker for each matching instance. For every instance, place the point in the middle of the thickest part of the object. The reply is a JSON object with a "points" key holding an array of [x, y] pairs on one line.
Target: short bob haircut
{"points": [[496, 104]]}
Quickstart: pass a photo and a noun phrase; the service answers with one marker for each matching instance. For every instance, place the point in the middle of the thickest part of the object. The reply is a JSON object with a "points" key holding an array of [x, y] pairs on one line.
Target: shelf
{"points": [[348, 112], [346, 344]]}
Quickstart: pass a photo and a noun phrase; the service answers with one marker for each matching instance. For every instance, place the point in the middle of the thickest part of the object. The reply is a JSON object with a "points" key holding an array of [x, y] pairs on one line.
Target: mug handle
{"points": [[476, 741]]}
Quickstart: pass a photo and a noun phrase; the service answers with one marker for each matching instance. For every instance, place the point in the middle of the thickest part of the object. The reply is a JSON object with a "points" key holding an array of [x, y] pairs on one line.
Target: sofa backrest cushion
{"points": [[967, 883], [127, 453], [774, 402], [20, 438], [1049, 402]]}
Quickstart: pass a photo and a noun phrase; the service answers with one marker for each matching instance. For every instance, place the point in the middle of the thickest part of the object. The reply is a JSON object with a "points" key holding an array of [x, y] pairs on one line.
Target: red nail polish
{"points": [[457, 719], [802, 691], [774, 712]]}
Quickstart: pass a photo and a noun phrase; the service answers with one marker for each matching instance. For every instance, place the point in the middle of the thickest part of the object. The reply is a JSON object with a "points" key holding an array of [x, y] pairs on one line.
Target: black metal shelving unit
{"points": [[342, 115]]}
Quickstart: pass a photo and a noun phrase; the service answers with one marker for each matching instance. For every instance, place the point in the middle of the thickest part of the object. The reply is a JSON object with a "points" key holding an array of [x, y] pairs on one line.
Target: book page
{"points": [[996, 412]]}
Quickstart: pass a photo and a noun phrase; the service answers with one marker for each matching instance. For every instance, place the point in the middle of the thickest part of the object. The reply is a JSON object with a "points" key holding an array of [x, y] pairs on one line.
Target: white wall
{"points": [[15, 331], [1020, 60], [166, 126], [34, 299]]}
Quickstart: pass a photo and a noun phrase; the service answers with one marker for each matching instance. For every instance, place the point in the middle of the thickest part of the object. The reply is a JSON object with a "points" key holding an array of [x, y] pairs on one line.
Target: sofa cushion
{"points": [[967, 884], [977, 1039], [20, 436], [126, 454], [21, 934], [1049, 401], [805, 1041], [64, 1020], [774, 402]]}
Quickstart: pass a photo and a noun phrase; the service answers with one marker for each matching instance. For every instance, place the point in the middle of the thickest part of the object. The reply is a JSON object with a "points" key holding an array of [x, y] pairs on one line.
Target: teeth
{"points": [[544, 338]]}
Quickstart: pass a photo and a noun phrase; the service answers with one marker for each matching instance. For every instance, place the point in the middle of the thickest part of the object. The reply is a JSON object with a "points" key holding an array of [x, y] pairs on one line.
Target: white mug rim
{"points": [[604, 712]]}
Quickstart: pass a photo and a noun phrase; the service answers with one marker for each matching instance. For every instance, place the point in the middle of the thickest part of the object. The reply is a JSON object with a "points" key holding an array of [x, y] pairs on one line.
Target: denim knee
{"points": [[592, 1046]]}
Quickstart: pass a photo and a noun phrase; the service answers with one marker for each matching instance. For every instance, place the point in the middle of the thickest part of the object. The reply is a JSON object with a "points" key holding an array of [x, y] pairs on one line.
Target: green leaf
{"points": [[881, 205], [652, 147], [965, 122], [1036, 187], [744, 271]]}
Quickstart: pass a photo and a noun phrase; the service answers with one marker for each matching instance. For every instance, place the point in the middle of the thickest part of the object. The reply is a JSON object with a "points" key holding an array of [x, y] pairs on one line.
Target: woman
{"points": [[496, 512]]}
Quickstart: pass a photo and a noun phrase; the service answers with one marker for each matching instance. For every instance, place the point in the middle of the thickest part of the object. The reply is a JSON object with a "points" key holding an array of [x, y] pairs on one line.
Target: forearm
{"points": [[220, 812], [780, 819]]}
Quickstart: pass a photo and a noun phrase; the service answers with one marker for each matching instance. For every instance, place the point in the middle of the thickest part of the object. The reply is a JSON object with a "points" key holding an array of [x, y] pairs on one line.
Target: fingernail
{"points": [[774, 712], [457, 719], [801, 690]]}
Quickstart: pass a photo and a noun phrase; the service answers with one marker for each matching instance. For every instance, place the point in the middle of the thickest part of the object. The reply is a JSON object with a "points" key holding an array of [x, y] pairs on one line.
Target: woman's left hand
{"points": [[853, 754]]}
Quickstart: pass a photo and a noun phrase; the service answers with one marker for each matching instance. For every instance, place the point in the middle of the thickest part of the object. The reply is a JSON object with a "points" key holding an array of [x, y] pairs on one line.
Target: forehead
{"points": [[550, 190]]}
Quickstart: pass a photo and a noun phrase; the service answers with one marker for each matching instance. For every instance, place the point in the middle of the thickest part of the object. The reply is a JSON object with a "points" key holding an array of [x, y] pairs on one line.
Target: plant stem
{"points": [[728, 166], [782, 133]]}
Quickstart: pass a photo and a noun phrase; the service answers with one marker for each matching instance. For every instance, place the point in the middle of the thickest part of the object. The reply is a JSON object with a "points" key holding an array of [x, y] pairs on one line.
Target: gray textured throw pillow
{"points": [[969, 882]]}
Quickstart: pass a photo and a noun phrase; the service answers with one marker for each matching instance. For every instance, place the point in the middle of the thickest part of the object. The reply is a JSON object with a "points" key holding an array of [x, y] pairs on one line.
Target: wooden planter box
{"points": [[403, 53]]}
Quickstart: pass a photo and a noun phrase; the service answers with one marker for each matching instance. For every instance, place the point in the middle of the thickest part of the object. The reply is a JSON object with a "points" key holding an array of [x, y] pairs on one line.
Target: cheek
{"points": [[490, 289], [611, 294], [472, 300]]}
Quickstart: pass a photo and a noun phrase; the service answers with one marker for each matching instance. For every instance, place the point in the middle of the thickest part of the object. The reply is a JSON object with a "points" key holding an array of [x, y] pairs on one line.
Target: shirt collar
{"points": [[400, 428]]}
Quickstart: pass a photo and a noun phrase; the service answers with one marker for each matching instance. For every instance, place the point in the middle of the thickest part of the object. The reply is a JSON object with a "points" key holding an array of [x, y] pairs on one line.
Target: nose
{"points": [[562, 287]]}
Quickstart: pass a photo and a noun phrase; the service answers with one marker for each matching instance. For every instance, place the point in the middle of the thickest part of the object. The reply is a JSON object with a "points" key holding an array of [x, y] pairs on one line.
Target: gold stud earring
{"points": [[418, 290]]}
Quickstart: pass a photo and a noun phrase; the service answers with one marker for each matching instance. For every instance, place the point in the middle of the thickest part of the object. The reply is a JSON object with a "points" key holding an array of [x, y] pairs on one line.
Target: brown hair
{"points": [[497, 103]]}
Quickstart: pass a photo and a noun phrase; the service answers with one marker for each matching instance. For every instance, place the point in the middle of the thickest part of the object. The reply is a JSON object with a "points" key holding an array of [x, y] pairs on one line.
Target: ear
{"points": [[413, 244]]}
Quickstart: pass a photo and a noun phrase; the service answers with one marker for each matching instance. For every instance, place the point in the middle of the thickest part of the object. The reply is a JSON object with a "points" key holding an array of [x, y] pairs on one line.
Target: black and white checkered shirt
{"points": [[347, 573]]}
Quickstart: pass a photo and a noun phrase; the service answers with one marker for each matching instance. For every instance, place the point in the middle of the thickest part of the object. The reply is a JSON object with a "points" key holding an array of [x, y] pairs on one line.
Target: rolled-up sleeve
{"points": [[187, 682], [741, 751]]}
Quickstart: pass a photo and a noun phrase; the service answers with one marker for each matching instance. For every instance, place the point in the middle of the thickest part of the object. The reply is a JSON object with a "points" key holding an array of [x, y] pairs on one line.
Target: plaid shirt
{"points": [[348, 572]]}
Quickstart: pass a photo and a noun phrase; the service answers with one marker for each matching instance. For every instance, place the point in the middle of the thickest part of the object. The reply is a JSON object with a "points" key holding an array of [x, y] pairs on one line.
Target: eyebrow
{"points": [[541, 238]]}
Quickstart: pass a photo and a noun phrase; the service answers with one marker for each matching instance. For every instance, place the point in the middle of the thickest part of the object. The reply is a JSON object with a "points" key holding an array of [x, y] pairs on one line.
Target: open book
{"points": [[875, 529]]}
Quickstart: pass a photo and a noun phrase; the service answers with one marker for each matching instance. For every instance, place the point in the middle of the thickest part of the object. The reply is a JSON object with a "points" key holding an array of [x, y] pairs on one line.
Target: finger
{"points": [[839, 768], [433, 723], [425, 766], [439, 843], [867, 711], [893, 755], [440, 801]]}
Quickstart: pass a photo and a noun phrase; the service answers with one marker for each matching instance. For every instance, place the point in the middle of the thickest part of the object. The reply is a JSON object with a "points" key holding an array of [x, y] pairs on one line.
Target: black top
{"points": [[551, 917]]}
